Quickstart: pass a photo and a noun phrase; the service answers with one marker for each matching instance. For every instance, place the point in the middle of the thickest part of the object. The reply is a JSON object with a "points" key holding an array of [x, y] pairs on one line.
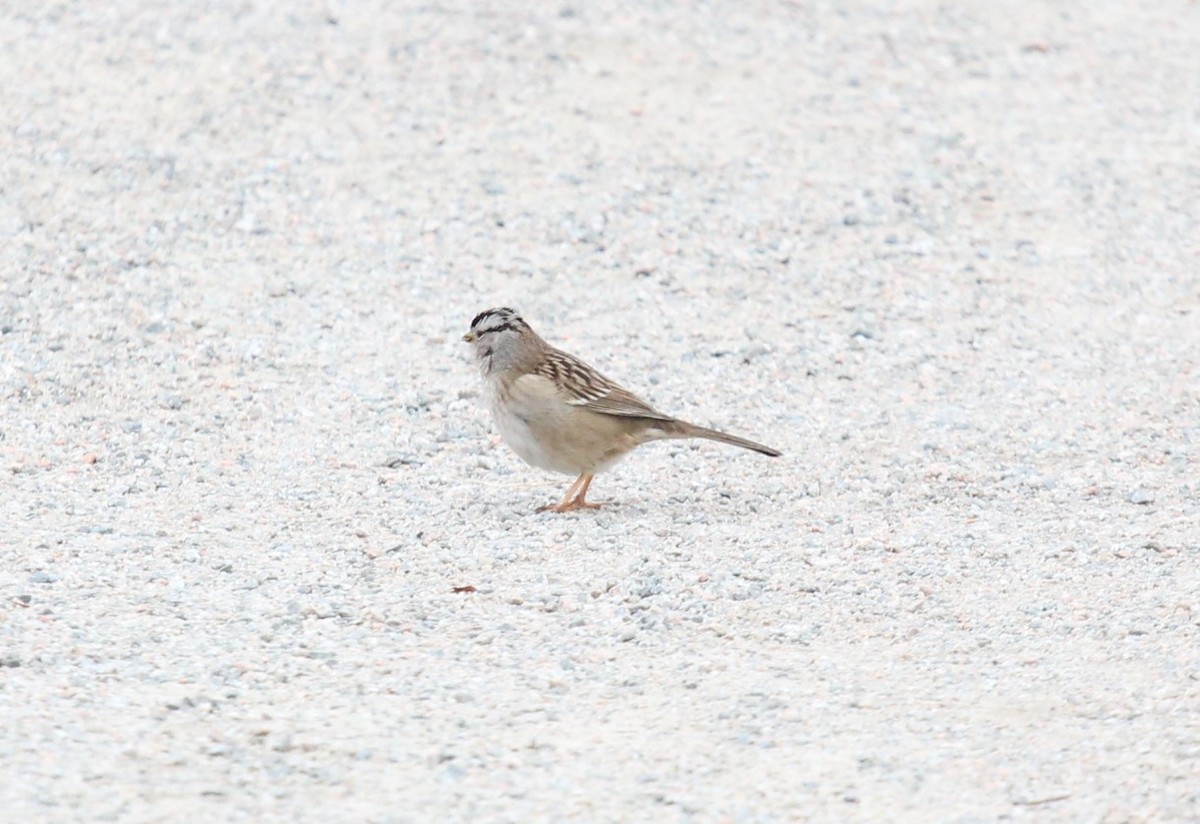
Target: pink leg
{"points": [[564, 504], [578, 490]]}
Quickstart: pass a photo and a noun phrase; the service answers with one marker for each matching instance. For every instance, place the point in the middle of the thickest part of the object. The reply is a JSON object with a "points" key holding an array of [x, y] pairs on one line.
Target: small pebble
{"points": [[1141, 496]]}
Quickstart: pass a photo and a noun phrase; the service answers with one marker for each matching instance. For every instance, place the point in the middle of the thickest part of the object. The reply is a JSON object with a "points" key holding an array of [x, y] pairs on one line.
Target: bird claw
{"points": [[569, 506]]}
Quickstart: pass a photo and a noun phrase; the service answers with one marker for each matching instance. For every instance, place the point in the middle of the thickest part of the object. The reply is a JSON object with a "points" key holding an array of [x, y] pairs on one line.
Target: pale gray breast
{"points": [[534, 422]]}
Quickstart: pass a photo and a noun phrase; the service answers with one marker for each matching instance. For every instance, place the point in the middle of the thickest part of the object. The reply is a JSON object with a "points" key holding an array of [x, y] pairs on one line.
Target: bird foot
{"points": [[568, 506]]}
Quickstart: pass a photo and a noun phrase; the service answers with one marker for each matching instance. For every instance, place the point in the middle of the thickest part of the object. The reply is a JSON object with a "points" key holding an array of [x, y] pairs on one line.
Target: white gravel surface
{"points": [[944, 255]]}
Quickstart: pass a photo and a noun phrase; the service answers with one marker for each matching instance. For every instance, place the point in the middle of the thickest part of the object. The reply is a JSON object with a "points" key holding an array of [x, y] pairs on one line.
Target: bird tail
{"points": [[682, 429]]}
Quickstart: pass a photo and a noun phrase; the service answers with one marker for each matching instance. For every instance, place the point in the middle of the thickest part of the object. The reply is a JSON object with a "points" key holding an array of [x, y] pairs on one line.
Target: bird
{"points": [[559, 414]]}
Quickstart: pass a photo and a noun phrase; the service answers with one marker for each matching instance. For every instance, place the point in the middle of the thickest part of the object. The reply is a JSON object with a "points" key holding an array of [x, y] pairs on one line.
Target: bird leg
{"points": [[563, 505], [579, 502], [578, 490]]}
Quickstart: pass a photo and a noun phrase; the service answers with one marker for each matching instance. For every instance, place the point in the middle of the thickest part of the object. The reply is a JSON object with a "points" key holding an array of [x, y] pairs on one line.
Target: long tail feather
{"points": [[682, 429]]}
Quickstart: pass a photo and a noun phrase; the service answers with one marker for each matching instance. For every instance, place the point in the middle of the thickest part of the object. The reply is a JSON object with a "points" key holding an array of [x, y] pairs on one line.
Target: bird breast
{"points": [[547, 432]]}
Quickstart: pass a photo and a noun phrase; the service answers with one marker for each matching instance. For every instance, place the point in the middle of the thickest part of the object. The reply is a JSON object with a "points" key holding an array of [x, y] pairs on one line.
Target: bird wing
{"points": [[583, 386]]}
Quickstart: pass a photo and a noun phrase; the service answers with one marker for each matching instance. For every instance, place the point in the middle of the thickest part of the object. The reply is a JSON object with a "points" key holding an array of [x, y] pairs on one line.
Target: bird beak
{"points": [[470, 336]]}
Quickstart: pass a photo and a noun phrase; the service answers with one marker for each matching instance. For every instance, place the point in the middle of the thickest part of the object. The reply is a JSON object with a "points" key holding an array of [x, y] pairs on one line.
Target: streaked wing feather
{"points": [[622, 402], [584, 386]]}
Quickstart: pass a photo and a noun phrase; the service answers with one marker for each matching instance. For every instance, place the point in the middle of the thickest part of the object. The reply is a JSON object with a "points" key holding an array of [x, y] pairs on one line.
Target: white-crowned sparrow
{"points": [[560, 414]]}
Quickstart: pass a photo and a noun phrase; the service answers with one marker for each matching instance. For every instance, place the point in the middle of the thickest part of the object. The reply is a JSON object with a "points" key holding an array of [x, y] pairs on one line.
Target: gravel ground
{"points": [[945, 256]]}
